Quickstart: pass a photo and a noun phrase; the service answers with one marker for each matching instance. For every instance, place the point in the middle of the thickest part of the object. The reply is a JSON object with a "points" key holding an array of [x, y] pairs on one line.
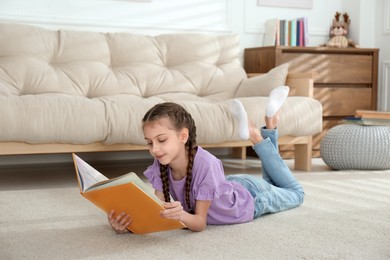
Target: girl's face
{"points": [[165, 144]]}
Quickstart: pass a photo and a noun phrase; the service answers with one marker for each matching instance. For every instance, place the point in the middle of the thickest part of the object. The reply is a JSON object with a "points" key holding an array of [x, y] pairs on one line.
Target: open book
{"points": [[126, 193]]}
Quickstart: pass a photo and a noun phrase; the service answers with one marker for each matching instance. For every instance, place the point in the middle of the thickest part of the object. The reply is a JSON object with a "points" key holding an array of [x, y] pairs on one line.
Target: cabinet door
{"points": [[342, 101], [330, 68]]}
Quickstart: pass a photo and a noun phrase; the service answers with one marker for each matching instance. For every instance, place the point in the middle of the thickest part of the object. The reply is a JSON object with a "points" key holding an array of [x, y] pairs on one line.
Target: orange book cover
{"points": [[126, 193]]}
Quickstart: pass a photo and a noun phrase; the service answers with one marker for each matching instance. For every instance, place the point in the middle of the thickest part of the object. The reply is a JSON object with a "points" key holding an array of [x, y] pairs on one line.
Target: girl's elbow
{"points": [[203, 227], [199, 228]]}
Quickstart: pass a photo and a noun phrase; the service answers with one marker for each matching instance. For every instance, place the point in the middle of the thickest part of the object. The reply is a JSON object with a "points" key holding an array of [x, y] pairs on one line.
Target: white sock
{"points": [[276, 100], [240, 114]]}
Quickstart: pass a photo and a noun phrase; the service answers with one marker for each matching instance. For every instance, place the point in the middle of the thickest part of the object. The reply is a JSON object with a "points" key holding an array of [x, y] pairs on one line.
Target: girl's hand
{"points": [[173, 210], [119, 223]]}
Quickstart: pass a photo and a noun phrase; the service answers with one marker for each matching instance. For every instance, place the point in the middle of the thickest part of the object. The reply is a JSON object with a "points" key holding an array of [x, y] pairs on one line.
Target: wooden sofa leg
{"points": [[239, 152], [303, 156]]}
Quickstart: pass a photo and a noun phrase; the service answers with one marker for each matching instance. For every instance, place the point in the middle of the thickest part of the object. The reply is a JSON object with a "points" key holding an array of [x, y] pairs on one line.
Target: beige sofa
{"points": [[75, 91]]}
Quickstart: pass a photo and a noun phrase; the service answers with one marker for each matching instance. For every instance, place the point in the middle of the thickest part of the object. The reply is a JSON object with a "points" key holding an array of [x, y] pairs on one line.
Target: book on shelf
{"points": [[305, 28], [127, 193], [366, 121], [282, 32], [293, 36], [287, 27], [271, 32], [372, 114]]}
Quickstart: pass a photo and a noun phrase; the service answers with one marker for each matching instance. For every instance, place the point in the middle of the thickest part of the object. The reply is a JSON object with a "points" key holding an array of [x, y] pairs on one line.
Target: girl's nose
{"points": [[154, 149]]}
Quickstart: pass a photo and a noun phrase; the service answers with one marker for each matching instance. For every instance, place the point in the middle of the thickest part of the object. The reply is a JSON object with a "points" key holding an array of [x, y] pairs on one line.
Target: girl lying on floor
{"points": [[196, 180]]}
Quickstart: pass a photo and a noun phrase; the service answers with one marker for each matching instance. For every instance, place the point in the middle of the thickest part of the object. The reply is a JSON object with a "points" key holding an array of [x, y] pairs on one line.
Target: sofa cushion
{"points": [[262, 85], [93, 65]]}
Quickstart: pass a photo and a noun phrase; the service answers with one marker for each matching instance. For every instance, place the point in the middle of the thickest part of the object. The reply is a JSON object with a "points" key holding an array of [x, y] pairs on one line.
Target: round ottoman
{"points": [[357, 147]]}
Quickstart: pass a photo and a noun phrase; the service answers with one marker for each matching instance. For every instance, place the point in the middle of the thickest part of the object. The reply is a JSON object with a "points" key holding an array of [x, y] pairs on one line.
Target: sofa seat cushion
{"points": [[116, 119]]}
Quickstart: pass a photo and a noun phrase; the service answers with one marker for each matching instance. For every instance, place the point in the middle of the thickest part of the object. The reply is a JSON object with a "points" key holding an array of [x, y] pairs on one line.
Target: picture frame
{"points": [[305, 4]]}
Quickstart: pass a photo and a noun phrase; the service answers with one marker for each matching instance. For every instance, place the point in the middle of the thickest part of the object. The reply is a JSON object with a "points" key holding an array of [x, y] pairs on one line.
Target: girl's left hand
{"points": [[173, 210], [119, 223]]}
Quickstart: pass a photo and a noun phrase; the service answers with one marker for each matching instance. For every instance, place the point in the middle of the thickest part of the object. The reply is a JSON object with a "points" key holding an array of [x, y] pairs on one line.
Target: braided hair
{"points": [[180, 119]]}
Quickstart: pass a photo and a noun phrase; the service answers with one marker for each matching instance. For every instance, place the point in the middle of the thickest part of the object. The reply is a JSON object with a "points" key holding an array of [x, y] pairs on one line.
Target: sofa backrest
{"points": [[34, 60]]}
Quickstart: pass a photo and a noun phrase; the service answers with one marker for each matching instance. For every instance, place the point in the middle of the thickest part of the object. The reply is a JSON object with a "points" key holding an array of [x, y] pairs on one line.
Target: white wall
{"points": [[382, 41], [373, 31], [370, 25], [161, 16], [243, 17]]}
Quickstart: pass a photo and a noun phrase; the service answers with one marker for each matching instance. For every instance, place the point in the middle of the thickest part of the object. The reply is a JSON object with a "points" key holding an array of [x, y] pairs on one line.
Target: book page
{"points": [[88, 175], [127, 178]]}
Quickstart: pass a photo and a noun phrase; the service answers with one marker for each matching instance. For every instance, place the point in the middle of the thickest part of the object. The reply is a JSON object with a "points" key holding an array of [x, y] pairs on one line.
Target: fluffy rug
{"points": [[346, 215]]}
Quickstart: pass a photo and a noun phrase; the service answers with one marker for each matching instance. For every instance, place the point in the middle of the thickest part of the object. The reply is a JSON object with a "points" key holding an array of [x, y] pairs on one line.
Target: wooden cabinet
{"points": [[345, 79]]}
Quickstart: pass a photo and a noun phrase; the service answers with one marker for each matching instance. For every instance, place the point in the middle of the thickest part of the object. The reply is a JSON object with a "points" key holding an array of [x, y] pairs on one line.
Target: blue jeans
{"points": [[278, 190]]}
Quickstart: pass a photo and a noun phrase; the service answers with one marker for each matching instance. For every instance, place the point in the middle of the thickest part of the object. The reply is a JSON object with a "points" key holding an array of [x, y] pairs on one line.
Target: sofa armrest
{"points": [[301, 84]]}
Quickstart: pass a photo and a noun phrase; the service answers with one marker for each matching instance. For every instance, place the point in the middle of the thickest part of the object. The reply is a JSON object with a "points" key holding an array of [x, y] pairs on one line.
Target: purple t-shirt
{"points": [[230, 201]]}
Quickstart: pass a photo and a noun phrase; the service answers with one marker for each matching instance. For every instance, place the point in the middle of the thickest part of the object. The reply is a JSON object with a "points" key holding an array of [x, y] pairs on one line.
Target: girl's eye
{"points": [[161, 141]]}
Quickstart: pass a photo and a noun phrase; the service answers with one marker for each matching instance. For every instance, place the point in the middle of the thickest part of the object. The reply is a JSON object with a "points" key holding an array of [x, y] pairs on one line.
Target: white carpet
{"points": [[346, 215]]}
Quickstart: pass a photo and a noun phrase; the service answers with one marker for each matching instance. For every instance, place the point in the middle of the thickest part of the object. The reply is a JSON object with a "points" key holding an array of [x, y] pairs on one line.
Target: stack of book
{"points": [[281, 32], [369, 117]]}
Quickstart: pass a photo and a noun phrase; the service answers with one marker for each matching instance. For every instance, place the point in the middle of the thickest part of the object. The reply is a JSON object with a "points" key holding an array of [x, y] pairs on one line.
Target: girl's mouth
{"points": [[159, 157]]}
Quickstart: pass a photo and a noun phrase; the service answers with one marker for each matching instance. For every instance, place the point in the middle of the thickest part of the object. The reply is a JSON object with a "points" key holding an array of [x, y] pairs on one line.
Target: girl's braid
{"points": [[191, 147], [191, 154], [165, 182]]}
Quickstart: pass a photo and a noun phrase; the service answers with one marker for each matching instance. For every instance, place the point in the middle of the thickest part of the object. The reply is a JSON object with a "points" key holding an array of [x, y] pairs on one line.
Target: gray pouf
{"points": [[356, 147]]}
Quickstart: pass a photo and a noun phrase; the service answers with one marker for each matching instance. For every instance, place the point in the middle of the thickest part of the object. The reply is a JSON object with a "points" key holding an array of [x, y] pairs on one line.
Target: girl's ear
{"points": [[184, 133]]}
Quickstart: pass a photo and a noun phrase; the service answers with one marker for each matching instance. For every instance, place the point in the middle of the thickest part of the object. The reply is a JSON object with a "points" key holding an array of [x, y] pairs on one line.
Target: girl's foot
{"points": [[247, 130], [238, 111], [272, 122], [254, 134], [276, 100]]}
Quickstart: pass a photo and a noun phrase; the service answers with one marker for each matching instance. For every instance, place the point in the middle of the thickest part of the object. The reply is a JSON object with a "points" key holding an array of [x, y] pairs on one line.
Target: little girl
{"points": [[196, 180]]}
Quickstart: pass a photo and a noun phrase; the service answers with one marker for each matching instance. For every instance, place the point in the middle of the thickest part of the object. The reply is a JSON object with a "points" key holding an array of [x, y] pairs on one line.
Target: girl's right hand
{"points": [[119, 223]]}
